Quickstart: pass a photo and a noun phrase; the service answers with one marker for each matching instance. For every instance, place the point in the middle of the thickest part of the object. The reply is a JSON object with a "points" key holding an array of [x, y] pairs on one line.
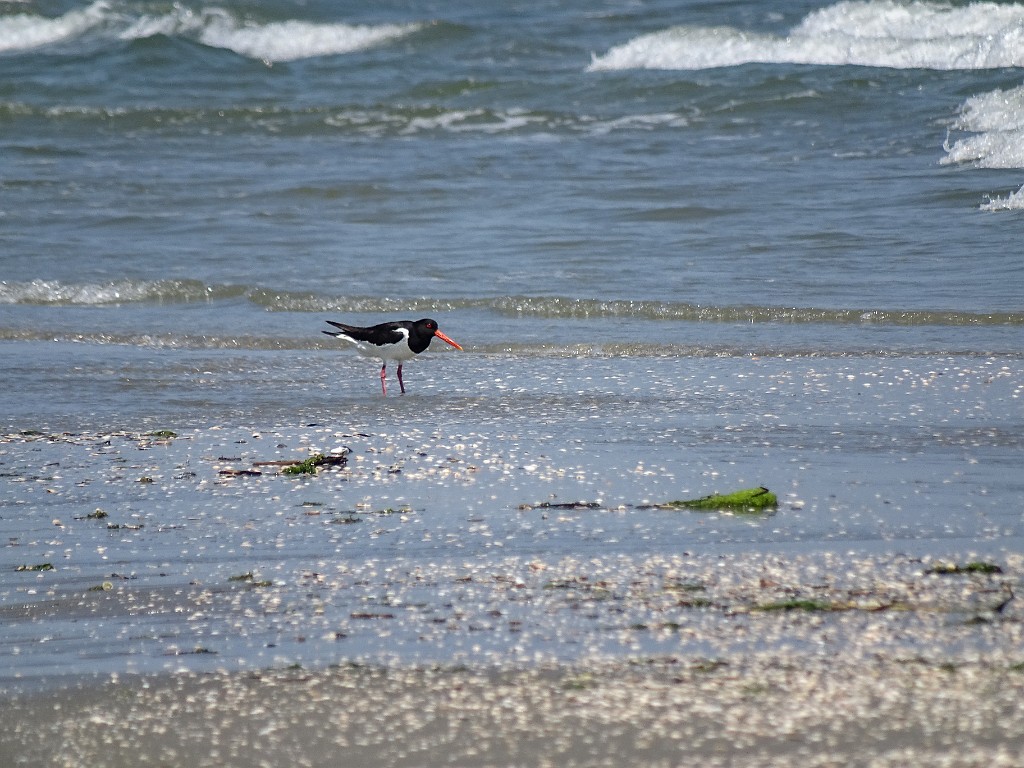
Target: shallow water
{"points": [[673, 273], [434, 542]]}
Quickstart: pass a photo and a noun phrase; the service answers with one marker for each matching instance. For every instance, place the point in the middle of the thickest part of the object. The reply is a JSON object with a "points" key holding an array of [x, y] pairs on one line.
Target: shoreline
{"points": [[422, 606], [780, 708]]}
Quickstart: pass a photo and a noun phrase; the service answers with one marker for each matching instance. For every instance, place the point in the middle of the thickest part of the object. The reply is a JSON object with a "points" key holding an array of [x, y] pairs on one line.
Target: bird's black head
{"points": [[424, 331]]}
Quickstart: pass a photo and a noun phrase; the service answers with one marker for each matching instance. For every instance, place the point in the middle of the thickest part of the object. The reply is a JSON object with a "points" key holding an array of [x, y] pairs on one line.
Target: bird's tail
{"points": [[341, 335]]}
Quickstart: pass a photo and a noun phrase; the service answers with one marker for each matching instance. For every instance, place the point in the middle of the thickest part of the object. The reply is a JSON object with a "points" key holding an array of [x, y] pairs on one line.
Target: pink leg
{"points": [[383, 373], [400, 382]]}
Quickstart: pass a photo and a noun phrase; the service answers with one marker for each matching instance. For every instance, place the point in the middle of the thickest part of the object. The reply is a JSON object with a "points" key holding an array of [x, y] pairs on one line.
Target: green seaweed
{"points": [[796, 605], [675, 585], [945, 569], [580, 682], [37, 567], [748, 500], [403, 510], [309, 466], [162, 433]]}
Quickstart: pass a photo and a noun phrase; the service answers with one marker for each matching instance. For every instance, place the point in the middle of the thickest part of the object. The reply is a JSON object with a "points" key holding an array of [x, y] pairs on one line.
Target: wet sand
{"points": [[775, 709], [440, 598], [782, 661]]}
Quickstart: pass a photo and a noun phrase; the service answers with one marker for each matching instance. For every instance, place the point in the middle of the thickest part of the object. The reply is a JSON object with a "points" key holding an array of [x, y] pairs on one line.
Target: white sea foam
{"points": [[212, 26], [290, 40], [277, 41], [53, 292], [876, 33], [1012, 202], [25, 31], [995, 122]]}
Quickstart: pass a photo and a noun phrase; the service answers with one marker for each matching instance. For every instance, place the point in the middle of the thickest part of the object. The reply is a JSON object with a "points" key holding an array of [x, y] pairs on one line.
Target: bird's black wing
{"points": [[385, 333]]}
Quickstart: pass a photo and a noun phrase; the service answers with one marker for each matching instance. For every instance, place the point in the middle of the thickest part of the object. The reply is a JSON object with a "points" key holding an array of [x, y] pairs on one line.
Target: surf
{"points": [[269, 41], [993, 124], [875, 33]]}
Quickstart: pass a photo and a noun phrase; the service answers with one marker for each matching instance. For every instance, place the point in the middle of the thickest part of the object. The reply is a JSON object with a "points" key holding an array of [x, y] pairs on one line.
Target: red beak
{"points": [[444, 338]]}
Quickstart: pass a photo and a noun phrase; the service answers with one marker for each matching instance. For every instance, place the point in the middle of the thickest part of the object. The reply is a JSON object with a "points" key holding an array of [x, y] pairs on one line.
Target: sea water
{"points": [[686, 247]]}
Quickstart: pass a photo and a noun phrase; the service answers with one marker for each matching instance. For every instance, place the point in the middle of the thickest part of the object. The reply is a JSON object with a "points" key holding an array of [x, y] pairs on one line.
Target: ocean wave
{"points": [[1012, 202], [212, 26], [117, 292], [315, 343], [874, 33], [556, 307], [275, 41], [25, 31], [995, 121], [122, 292], [362, 121]]}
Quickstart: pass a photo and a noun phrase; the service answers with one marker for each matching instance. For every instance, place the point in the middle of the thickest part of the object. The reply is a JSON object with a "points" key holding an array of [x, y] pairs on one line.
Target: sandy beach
{"points": [[476, 588], [684, 249], [798, 656], [779, 710]]}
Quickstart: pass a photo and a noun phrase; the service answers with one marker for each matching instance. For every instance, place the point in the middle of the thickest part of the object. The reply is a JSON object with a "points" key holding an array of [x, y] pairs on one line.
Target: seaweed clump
{"points": [[748, 500], [310, 465]]}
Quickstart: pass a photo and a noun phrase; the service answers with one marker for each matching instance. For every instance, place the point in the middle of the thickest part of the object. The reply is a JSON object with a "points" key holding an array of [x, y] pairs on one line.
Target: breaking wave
{"points": [[995, 122], [216, 27], [875, 33], [116, 293], [56, 293]]}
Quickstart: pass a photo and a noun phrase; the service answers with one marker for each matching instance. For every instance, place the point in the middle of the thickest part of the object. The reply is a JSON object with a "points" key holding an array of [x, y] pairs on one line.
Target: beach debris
{"points": [[308, 466], [162, 434], [405, 509], [347, 519], [748, 500], [250, 579], [99, 514], [569, 505], [800, 605], [37, 567], [946, 569], [199, 650]]}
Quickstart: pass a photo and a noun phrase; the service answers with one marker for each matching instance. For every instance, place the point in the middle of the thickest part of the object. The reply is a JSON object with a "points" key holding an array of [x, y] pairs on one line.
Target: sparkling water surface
{"points": [[687, 247]]}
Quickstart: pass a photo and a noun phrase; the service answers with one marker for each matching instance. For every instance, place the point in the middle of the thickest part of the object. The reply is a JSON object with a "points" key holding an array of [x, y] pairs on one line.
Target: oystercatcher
{"points": [[400, 340]]}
